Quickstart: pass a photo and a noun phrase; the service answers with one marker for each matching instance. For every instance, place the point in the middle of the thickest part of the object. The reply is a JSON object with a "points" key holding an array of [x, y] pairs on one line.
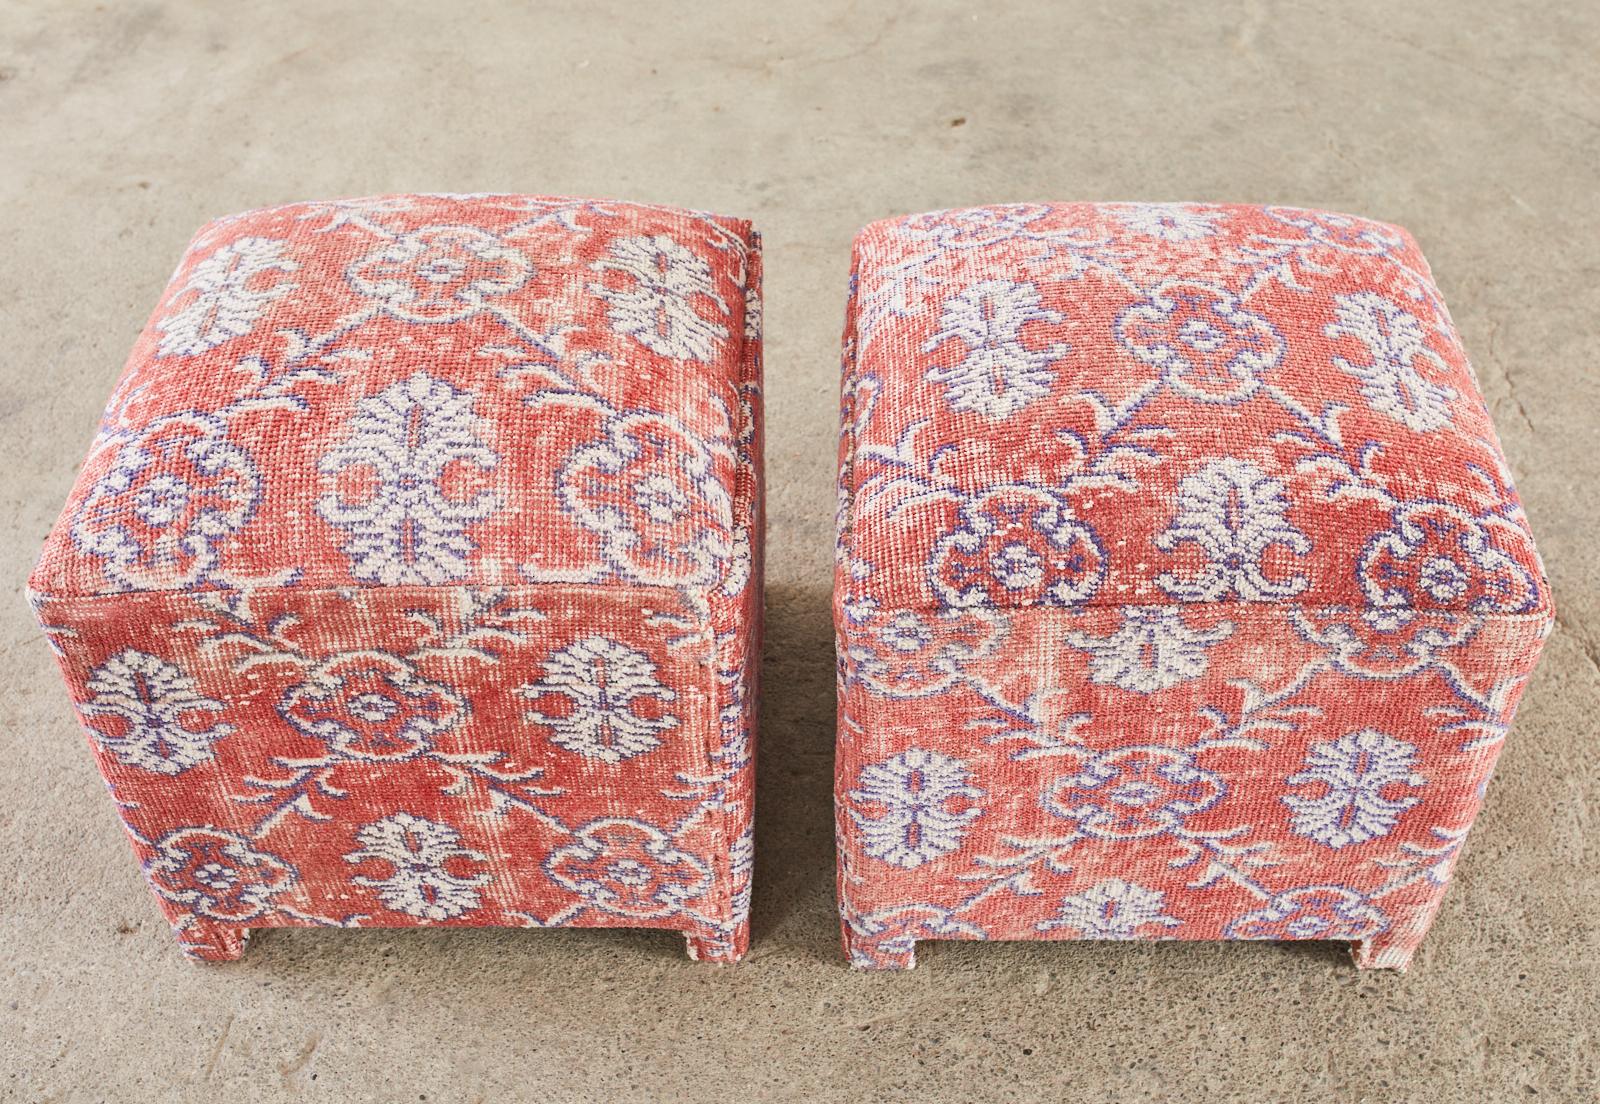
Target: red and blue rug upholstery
{"points": [[414, 574], [1182, 592]]}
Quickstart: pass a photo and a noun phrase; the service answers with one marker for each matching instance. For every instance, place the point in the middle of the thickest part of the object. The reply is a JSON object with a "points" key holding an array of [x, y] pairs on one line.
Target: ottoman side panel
{"points": [[1242, 772], [736, 608], [531, 756], [846, 710]]}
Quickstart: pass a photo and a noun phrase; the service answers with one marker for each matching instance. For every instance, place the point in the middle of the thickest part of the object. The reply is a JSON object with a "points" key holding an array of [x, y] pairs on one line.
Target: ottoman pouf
{"points": [[1182, 589], [414, 574]]}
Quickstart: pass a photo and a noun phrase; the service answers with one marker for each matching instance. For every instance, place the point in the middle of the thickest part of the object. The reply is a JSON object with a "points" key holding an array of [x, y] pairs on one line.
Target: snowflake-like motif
{"points": [[914, 807], [407, 483], [431, 875], [1391, 380], [657, 304], [998, 374], [1366, 779], [149, 713], [229, 296], [612, 700]]}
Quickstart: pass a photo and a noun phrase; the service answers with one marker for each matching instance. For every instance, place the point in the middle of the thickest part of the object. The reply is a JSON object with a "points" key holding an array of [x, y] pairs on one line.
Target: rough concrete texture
{"points": [[1475, 124]]}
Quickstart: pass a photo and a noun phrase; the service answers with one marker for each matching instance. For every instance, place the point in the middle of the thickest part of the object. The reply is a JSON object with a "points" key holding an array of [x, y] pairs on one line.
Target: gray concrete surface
{"points": [[1475, 124]]}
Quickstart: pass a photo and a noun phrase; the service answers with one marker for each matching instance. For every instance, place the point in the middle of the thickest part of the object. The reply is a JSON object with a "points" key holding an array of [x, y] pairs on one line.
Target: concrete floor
{"points": [[1475, 124]]}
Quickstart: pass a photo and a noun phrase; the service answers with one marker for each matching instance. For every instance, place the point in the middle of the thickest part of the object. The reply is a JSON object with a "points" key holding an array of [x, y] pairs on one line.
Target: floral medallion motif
{"points": [[1234, 513], [665, 287], [649, 489], [1357, 788], [1153, 649], [431, 876], [408, 482], [910, 654], [371, 705], [1017, 546], [629, 868], [216, 874], [159, 515], [914, 807], [1438, 557], [1385, 643], [611, 700], [150, 715], [1205, 344], [440, 274], [998, 374], [1113, 909], [1134, 792], [230, 296]]}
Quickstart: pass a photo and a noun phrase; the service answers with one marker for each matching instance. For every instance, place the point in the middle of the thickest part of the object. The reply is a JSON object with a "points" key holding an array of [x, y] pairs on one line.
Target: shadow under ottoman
{"points": [[414, 575], [1182, 589]]}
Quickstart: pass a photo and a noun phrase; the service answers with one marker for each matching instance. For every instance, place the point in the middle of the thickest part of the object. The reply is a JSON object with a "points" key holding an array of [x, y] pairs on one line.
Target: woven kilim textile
{"points": [[1182, 589], [414, 574]]}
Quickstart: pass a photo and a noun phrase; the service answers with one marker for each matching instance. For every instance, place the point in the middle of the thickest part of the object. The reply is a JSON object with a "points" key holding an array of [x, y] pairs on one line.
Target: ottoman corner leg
{"points": [[722, 950], [1384, 952], [211, 941]]}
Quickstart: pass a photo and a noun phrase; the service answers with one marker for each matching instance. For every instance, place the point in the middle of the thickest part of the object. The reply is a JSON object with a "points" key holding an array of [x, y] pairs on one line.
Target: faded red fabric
{"points": [[414, 574], [1182, 593]]}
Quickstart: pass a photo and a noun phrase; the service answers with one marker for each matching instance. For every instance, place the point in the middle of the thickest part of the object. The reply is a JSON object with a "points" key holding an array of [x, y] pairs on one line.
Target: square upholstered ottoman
{"points": [[1182, 589], [414, 574]]}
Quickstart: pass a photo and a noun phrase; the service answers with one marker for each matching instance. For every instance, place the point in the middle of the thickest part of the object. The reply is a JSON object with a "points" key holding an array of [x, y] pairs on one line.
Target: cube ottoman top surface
{"points": [[426, 390], [1087, 404]]}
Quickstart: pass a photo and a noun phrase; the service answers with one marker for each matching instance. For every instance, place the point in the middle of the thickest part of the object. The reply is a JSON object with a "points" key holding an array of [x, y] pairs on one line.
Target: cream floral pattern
{"points": [[1112, 909], [998, 373], [391, 488], [914, 807], [665, 289], [431, 876], [230, 294], [1153, 649], [1234, 513], [1354, 789], [150, 715], [611, 700]]}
